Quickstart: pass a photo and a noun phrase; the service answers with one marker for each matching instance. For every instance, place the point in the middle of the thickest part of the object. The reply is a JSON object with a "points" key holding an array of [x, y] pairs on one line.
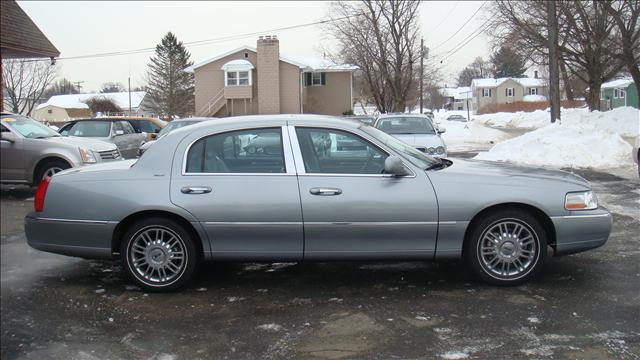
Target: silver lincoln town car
{"points": [[280, 188]]}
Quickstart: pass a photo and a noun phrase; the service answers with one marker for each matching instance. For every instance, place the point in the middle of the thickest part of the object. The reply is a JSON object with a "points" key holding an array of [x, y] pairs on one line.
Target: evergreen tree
{"points": [[170, 87], [508, 63]]}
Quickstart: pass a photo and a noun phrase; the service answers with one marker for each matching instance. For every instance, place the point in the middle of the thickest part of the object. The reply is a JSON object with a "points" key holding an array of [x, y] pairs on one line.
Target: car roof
{"points": [[117, 118], [193, 119], [403, 115]]}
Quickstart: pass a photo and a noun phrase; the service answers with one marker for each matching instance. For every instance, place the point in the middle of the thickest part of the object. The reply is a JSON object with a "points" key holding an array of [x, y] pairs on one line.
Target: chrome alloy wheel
{"points": [[508, 249], [157, 255]]}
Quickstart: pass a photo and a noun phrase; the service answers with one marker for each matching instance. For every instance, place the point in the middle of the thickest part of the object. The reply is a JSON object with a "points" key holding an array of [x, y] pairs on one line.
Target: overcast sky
{"points": [[82, 28]]}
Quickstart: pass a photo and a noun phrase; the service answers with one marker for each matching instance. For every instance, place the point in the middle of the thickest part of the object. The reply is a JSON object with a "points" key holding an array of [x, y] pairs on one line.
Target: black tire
{"points": [[47, 167], [164, 251], [507, 248]]}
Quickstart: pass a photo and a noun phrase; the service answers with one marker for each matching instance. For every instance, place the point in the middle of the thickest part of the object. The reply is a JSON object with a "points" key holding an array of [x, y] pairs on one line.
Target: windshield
{"points": [[175, 125], [416, 157], [405, 125], [28, 128], [90, 129]]}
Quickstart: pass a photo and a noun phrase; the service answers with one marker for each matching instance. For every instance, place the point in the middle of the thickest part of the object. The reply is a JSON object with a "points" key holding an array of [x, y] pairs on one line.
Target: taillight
{"points": [[41, 192]]}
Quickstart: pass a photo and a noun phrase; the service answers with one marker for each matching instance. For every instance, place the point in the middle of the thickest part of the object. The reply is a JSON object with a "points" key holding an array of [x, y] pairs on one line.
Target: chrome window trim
{"points": [[289, 171], [299, 161]]}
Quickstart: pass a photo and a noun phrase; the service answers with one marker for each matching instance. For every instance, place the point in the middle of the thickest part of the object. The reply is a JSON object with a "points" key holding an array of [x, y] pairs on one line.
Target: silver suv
{"points": [[114, 130], [31, 151]]}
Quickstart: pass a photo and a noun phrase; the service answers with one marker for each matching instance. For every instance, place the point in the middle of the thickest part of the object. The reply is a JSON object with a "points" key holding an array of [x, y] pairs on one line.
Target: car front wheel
{"points": [[507, 247], [159, 254]]}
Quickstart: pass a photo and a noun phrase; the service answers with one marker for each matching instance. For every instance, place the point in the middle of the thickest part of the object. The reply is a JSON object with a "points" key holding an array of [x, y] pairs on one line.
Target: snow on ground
{"points": [[460, 136], [581, 140]]}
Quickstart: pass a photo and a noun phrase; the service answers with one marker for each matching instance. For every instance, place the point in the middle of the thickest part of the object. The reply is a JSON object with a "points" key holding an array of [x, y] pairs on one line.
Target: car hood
{"points": [[507, 172], [87, 143], [428, 140]]}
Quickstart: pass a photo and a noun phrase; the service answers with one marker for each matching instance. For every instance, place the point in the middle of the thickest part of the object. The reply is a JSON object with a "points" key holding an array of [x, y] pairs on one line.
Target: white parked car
{"points": [[416, 130]]}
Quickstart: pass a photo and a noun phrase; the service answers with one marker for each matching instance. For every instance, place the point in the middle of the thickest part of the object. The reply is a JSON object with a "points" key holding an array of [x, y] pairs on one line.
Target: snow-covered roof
{"points": [[491, 82], [316, 63], [307, 63], [69, 105], [463, 92], [620, 83], [72, 101], [237, 65]]}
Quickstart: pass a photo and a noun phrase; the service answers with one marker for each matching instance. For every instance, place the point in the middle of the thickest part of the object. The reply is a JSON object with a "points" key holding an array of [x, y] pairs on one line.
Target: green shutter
{"points": [[323, 79]]}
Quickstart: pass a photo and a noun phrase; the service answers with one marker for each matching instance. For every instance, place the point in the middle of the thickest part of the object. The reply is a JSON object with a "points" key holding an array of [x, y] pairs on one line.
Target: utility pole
{"points": [[78, 85], [421, 74], [129, 95], [554, 76]]}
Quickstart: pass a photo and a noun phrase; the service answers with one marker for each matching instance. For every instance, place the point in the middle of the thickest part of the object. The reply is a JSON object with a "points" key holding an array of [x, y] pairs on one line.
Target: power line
{"points": [[447, 16], [461, 27], [199, 42], [477, 31]]}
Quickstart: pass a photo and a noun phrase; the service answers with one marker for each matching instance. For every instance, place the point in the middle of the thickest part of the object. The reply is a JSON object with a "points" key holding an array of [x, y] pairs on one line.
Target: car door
{"points": [[352, 209], [12, 159], [123, 135], [133, 139], [241, 186]]}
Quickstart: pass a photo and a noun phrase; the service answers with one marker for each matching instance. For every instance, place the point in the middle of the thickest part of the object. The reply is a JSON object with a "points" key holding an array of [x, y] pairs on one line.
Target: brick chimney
{"points": [[268, 68]]}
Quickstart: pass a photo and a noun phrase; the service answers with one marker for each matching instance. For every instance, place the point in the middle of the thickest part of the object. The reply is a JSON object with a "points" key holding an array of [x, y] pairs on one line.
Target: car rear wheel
{"points": [[507, 247], [49, 169], [159, 254]]}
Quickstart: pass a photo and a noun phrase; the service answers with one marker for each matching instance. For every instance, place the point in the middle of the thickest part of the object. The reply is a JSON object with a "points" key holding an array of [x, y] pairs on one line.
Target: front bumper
{"points": [[89, 239], [581, 231]]}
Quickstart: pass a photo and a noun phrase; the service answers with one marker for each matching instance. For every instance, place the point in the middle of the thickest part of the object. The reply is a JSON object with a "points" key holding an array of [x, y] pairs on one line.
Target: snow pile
{"points": [[624, 120], [577, 145]]}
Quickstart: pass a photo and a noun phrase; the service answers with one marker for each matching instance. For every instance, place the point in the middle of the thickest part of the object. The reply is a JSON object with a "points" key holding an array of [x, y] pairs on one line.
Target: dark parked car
{"points": [[456, 118]]}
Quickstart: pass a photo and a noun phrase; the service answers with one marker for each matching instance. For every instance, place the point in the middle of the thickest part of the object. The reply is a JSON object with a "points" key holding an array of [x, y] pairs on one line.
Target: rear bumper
{"points": [[89, 239], [577, 233]]}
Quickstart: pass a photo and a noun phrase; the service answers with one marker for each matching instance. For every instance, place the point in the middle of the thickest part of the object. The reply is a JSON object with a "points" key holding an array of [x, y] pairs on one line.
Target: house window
{"points": [[510, 92], [315, 79], [601, 95], [618, 93], [486, 92], [236, 78], [533, 91]]}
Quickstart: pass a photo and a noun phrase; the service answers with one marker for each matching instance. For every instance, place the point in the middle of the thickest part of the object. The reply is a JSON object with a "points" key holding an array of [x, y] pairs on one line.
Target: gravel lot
{"points": [[585, 306]]}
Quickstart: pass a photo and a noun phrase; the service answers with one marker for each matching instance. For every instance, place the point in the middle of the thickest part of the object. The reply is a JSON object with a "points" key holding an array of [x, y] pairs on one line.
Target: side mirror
{"points": [[393, 165], [119, 132], [441, 129], [8, 137]]}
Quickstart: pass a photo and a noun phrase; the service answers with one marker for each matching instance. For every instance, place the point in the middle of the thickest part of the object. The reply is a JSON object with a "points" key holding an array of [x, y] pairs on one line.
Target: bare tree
{"points": [[110, 87], [478, 69], [626, 17], [101, 104], [25, 81], [381, 37], [585, 38]]}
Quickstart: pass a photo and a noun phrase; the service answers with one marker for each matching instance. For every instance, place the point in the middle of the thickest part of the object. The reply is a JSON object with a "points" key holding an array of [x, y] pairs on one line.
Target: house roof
{"points": [[463, 92], [491, 82], [306, 63], [620, 83], [119, 98], [20, 37]]}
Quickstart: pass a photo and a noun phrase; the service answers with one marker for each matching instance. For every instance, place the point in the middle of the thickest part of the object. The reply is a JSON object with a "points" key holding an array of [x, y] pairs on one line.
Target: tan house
{"points": [[506, 90], [260, 80]]}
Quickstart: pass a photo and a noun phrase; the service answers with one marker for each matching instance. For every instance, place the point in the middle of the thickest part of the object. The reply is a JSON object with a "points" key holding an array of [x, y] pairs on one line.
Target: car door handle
{"points": [[195, 190], [325, 191]]}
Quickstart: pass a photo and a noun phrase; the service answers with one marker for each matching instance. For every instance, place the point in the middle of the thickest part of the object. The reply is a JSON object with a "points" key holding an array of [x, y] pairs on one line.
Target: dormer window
{"points": [[237, 73]]}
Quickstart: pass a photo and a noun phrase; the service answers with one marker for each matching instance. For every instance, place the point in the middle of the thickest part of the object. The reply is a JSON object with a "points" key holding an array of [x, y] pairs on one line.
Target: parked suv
{"points": [[114, 130], [31, 151]]}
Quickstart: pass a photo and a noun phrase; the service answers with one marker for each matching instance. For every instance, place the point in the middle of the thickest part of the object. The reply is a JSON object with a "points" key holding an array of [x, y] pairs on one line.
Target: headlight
{"points": [[87, 156], [584, 200], [431, 150], [440, 149]]}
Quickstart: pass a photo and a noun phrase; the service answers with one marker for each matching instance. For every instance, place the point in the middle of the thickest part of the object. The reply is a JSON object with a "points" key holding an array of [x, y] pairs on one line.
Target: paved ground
{"points": [[585, 306]]}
